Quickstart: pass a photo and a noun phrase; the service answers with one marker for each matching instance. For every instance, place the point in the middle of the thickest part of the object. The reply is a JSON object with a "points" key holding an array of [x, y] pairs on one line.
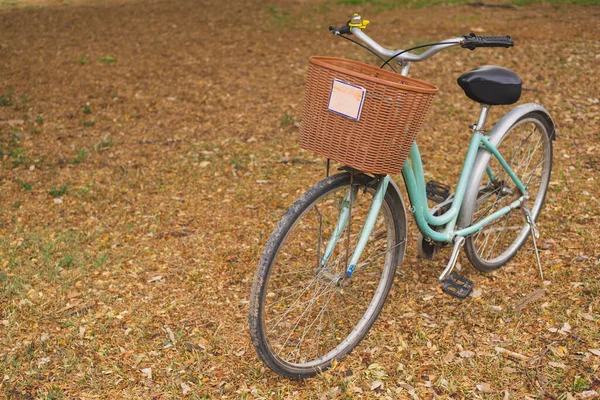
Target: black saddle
{"points": [[491, 85]]}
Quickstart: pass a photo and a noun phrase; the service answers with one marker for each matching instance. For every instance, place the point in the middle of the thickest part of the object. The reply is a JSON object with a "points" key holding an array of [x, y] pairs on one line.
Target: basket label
{"points": [[346, 99]]}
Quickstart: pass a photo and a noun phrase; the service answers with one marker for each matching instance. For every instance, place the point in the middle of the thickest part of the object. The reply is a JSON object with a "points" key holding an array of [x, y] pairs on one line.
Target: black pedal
{"points": [[437, 191], [457, 286]]}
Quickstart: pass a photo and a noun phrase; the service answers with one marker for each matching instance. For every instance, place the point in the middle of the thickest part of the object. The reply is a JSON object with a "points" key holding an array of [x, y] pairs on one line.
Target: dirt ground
{"points": [[148, 149]]}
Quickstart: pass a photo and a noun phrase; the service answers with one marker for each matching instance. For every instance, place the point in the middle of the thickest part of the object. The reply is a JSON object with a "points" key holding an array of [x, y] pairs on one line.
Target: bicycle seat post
{"points": [[482, 118]]}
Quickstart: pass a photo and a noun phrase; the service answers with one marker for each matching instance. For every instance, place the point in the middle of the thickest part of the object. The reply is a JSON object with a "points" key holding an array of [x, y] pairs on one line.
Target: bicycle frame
{"points": [[415, 185], [414, 178]]}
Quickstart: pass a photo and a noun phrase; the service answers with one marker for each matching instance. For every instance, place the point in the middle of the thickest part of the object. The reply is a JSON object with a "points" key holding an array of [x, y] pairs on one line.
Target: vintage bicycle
{"points": [[327, 268]]}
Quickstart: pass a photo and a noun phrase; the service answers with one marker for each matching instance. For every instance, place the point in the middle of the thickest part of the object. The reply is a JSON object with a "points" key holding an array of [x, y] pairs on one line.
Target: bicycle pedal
{"points": [[437, 191], [457, 286]]}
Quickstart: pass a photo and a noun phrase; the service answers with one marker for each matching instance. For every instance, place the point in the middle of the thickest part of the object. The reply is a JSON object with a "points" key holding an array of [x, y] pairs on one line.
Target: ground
{"points": [[148, 149]]}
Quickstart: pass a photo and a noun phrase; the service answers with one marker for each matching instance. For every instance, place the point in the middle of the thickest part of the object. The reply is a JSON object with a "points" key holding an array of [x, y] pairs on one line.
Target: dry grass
{"points": [[136, 196]]}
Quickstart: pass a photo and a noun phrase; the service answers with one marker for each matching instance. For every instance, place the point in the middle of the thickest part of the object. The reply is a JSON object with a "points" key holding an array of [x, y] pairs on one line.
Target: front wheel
{"points": [[527, 148], [304, 313]]}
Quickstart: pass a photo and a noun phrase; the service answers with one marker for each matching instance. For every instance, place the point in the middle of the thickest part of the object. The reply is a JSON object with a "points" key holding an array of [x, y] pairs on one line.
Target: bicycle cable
{"points": [[371, 51]]}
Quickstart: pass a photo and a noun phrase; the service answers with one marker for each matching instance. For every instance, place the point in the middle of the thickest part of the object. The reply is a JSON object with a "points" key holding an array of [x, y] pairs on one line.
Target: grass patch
{"points": [[389, 5], [19, 157], [81, 154], [277, 16], [25, 185], [566, 2], [104, 144], [6, 99], [84, 190], [107, 59], [59, 191], [287, 119]]}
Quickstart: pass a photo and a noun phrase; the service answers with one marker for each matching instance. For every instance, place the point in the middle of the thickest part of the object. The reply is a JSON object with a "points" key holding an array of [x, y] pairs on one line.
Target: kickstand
{"points": [[534, 235]]}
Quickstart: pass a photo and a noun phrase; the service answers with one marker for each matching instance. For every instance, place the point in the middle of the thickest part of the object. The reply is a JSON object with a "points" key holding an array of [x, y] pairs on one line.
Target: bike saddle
{"points": [[491, 85]]}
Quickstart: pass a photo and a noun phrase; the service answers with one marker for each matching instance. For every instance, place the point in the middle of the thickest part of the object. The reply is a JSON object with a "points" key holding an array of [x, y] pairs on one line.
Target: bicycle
{"points": [[327, 268]]}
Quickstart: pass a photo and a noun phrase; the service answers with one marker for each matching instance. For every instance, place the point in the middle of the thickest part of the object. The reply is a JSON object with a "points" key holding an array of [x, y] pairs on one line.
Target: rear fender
{"points": [[483, 157]]}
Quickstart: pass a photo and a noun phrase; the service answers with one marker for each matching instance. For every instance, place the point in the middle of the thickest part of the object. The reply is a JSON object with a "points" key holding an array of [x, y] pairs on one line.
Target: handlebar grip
{"points": [[473, 41], [343, 30]]}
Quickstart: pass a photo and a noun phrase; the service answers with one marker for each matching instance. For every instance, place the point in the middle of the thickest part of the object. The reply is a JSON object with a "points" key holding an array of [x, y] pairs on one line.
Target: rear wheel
{"points": [[527, 148], [304, 315]]}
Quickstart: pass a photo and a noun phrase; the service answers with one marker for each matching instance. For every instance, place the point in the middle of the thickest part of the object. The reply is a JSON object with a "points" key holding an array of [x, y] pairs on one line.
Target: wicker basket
{"points": [[393, 110]]}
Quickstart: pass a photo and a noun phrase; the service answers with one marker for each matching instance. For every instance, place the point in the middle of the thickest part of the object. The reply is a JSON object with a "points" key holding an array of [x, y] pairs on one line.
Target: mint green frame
{"points": [[414, 178], [415, 185]]}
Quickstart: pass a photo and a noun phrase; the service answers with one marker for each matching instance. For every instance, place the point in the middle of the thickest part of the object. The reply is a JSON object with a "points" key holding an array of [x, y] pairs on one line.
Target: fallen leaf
{"points": [[559, 351], [495, 309], [170, 334], [511, 354], [186, 388], [204, 164], [484, 387], [587, 316], [377, 385], [43, 361], [374, 366], [588, 394], [563, 330], [147, 372], [155, 279], [449, 357], [530, 298], [557, 365], [595, 352], [466, 353]]}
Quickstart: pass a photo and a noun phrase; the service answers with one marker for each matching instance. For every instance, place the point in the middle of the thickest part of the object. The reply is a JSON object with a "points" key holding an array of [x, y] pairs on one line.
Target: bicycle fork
{"points": [[345, 214]]}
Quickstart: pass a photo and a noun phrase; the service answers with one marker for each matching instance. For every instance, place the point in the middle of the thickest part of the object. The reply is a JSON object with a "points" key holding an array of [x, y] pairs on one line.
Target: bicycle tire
{"points": [[285, 337], [528, 139]]}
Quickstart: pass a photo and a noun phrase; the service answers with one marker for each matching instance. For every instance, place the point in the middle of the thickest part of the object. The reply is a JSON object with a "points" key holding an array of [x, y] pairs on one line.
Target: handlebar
{"points": [[404, 58]]}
